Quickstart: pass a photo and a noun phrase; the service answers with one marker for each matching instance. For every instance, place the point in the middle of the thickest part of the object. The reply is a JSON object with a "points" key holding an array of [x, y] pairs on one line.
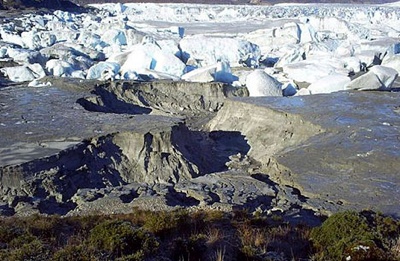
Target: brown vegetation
{"points": [[201, 235]]}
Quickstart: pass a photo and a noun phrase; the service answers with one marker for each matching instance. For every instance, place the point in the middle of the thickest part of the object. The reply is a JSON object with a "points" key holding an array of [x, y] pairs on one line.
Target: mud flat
{"points": [[84, 147], [339, 149]]}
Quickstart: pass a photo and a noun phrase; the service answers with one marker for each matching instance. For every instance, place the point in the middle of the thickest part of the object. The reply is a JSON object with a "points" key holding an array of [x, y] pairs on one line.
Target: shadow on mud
{"points": [[174, 198], [111, 105], [211, 151], [49, 184]]}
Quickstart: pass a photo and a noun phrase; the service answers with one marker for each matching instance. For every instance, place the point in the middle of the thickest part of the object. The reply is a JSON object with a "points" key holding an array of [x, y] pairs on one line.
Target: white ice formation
{"points": [[259, 83], [312, 48]]}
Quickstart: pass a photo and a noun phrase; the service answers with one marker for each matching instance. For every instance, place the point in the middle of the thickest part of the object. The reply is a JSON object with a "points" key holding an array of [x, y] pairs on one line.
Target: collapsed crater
{"points": [[196, 146]]}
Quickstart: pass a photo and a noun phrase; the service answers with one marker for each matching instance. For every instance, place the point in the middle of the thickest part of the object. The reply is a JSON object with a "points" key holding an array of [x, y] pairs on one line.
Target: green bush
{"points": [[197, 235], [162, 223], [72, 252], [47, 228], [347, 234], [8, 233], [118, 238], [192, 248], [32, 249]]}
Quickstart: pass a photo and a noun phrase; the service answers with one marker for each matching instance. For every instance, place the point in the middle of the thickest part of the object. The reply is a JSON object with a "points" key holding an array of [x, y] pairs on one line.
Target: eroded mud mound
{"points": [[178, 98], [339, 149], [79, 149]]}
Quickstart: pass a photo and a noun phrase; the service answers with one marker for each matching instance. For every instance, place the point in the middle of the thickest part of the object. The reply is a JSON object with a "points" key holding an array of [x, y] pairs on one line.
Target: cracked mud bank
{"points": [[87, 147]]}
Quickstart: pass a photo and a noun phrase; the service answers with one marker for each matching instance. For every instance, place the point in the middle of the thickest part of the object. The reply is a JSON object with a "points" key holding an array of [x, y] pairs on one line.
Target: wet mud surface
{"points": [[353, 162], [77, 147]]}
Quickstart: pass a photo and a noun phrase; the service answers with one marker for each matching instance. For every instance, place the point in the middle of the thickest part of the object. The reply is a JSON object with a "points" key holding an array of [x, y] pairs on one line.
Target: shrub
{"points": [[33, 249], [189, 249], [198, 235], [346, 234], [214, 215], [44, 227], [8, 233], [120, 238], [162, 223], [72, 252]]}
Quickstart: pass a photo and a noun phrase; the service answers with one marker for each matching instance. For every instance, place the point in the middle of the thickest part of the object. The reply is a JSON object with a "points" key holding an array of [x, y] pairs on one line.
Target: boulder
{"points": [[392, 61], [328, 84], [369, 57], [11, 37], [65, 35], [39, 83], [353, 64], [244, 190], [114, 36], [131, 75], [338, 26], [259, 83], [38, 40], [134, 36], [306, 33], [150, 56], [377, 78], [386, 75], [59, 68], [303, 91], [80, 62], [64, 16], [78, 74], [3, 52], [203, 74], [384, 45], [210, 50], [103, 71], [152, 74], [317, 50], [90, 39], [219, 72], [23, 73], [87, 51], [119, 57], [290, 32], [289, 89], [293, 55], [274, 38], [109, 50], [60, 51], [308, 71], [345, 49], [37, 70], [25, 56], [64, 51]]}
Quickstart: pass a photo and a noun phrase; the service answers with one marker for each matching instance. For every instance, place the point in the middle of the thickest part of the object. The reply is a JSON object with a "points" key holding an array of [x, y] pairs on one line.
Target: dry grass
{"points": [[214, 235], [179, 235], [220, 255], [279, 232], [254, 238]]}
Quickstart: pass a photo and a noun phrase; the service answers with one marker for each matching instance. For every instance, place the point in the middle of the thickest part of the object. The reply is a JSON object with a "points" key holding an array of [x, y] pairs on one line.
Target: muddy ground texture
{"points": [[84, 147]]}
